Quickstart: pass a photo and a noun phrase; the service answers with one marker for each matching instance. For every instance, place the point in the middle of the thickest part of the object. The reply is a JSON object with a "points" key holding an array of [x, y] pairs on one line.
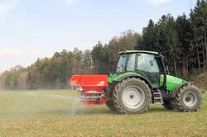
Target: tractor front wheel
{"points": [[188, 99], [130, 96]]}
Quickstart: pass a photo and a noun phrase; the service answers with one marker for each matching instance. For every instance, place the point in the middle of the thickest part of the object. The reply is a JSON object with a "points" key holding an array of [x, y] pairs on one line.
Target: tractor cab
{"points": [[145, 63]]}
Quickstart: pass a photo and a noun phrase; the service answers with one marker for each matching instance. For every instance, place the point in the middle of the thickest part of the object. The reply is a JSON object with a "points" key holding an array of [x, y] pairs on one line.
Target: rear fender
{"points": [[136, 76]]}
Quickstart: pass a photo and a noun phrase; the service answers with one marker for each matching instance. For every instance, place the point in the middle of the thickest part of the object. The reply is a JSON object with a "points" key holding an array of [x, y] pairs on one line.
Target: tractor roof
{"points": [[138, 51]]}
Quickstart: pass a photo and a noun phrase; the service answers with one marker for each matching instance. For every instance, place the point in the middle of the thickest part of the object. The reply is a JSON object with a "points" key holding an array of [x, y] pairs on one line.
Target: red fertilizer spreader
{"points": [[91, 88]]}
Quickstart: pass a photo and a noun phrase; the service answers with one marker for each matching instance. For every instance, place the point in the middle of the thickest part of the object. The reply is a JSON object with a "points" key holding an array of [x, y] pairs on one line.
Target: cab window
{"points": [[131, 62], [121, 64], [147, 63]]}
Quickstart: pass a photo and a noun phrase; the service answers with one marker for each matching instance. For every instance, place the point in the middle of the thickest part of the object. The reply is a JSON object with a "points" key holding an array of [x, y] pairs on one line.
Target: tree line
{"points": [[54, 72], [183, 42]]}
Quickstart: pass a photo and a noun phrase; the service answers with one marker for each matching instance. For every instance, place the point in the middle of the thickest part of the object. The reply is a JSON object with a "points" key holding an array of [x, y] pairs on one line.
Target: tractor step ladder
{"points": [[157, 97]]}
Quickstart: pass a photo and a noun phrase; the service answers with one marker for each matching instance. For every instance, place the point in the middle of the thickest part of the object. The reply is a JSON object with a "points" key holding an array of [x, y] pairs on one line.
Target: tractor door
{"points": [[147, 66]]}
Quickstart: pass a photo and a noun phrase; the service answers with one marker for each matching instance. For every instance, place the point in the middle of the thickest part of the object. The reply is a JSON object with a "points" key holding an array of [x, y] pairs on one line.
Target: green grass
{"points": [[52, 113]]}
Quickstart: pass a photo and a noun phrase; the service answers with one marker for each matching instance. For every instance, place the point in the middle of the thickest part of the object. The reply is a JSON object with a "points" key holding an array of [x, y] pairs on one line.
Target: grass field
{"points": [[51, 113]]}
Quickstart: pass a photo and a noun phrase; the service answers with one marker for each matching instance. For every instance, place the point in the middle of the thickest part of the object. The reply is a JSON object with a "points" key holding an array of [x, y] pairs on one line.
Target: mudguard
{"points": [[134, 75]]}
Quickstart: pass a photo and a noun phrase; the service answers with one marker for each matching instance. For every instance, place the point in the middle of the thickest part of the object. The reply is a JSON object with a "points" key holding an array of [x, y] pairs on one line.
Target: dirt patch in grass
{"points": [[201, 81]]}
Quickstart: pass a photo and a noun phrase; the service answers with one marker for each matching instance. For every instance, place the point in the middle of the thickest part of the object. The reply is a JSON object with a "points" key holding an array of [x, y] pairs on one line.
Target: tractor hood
{"points": [[172, 82]]}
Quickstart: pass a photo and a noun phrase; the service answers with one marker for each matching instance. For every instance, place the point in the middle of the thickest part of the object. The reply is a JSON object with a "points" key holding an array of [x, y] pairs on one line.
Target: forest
{"points": [[182, 40]]}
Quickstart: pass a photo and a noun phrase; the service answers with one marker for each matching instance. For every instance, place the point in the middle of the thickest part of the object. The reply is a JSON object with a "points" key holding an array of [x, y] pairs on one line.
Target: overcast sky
{"points": [[37, 28]]}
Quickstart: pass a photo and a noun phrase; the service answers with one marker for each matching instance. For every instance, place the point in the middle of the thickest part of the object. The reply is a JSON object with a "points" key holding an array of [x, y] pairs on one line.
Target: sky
{"points": [[31, 29]]}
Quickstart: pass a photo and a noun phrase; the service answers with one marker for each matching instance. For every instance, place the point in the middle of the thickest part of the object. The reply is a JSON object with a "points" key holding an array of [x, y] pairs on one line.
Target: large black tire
{"points": [[110, 105], [109, 101], [130, 96], [168, 105], [108, 95], [188, 99]]}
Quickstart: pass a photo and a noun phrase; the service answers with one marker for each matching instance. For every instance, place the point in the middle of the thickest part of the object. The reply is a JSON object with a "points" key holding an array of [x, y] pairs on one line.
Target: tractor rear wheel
{"points": [[110, 105], [188, 99], [130, 96], [109, 101]]}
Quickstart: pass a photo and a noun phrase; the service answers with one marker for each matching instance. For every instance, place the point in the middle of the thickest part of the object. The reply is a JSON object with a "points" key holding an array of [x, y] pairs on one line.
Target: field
{"points": [[51, 113]]}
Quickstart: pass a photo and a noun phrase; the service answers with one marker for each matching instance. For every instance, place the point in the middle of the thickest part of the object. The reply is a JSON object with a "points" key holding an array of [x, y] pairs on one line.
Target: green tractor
{"points": [[141, 78]]}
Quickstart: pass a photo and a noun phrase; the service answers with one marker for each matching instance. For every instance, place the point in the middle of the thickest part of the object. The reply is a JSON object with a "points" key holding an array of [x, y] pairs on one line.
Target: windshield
{"points": [[121, 64]]}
